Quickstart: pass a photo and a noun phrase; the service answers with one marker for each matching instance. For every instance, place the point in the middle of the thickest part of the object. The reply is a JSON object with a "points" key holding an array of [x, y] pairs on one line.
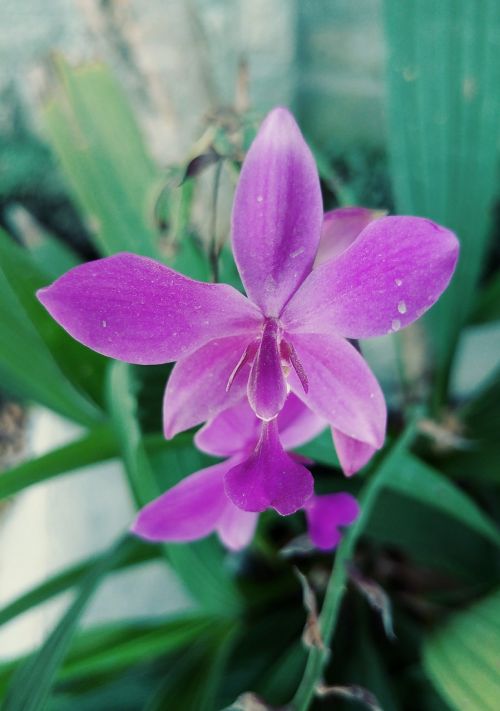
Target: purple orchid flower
{"points": [[290, 334], [198, 505]]}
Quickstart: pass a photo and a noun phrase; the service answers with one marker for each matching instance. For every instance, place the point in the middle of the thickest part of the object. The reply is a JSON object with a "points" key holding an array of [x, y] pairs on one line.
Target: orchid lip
{"points": [[267, 388], [285, 357]]}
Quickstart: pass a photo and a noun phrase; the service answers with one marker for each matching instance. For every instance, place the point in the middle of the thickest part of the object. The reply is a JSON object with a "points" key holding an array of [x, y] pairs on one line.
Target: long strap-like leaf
{"points": [[31, 685]]}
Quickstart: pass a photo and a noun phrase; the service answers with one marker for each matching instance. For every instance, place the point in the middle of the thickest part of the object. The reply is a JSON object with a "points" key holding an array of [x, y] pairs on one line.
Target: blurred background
{"points": [[119, 123]]}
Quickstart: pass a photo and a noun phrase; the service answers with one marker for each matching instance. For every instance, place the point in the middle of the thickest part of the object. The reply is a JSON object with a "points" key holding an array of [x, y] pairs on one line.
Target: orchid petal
{"points": [[340, 229], [230, 432], [342, 388], [190, 510], [324, 516], [395, 270], [137, 310], [269, 477], [277, 213], [236, 528], [297, 424], [196, 389], [267, 389], [352, 453]]}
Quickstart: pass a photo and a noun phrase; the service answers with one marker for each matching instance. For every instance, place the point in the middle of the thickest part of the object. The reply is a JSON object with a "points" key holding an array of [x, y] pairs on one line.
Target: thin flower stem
{"points": [[337, 585], [404, 383], [214, 248]]}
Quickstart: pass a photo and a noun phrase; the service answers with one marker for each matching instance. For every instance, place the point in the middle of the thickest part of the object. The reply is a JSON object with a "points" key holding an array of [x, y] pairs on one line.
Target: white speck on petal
{"points": [[372, 395], [398, 282], [260, 198], [103, 324], [402, 307], [297, 252], [396, 325]]}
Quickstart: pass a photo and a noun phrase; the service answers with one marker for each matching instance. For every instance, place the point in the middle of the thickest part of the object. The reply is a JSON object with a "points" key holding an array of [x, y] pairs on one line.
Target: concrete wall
{"points": [[178, 58]]}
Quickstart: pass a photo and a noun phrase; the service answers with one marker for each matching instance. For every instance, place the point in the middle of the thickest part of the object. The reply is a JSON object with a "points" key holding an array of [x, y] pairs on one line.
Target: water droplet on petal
{"points": [[103, 324], [398, 282], [260, 198], [402, 307], [396, 325]]}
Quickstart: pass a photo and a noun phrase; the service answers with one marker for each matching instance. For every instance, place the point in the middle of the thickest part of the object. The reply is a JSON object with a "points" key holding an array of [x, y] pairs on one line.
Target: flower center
{"points": [[271, 338]]}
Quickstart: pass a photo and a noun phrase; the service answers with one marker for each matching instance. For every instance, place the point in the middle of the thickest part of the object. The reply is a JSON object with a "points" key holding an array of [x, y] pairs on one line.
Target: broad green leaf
{"points": [[137, 553], [31, 683], [461, 658], [24, 321], [199, 564], [418, 481], [443, 103], [94, 134]]}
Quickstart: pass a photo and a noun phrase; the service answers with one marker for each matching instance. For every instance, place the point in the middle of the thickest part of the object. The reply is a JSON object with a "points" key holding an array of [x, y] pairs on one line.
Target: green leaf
{"points": [[462, 657], [436, 524], [184, 250], [433, 539], [343, 192], [488, 304], [443, 75], [27, 328], [481, 424], [137, 553], [200, 565], [97, 446], [418, 481], [194, 680], [321, 449], [115, 647], [53, 256], [81, 366], [328, 618], [94, 134], [31, 684], [280, 679]]}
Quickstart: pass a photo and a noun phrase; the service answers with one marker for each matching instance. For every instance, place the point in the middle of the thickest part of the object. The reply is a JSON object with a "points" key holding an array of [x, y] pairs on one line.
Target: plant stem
{"points": [[337, 585], [214, 249]]}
